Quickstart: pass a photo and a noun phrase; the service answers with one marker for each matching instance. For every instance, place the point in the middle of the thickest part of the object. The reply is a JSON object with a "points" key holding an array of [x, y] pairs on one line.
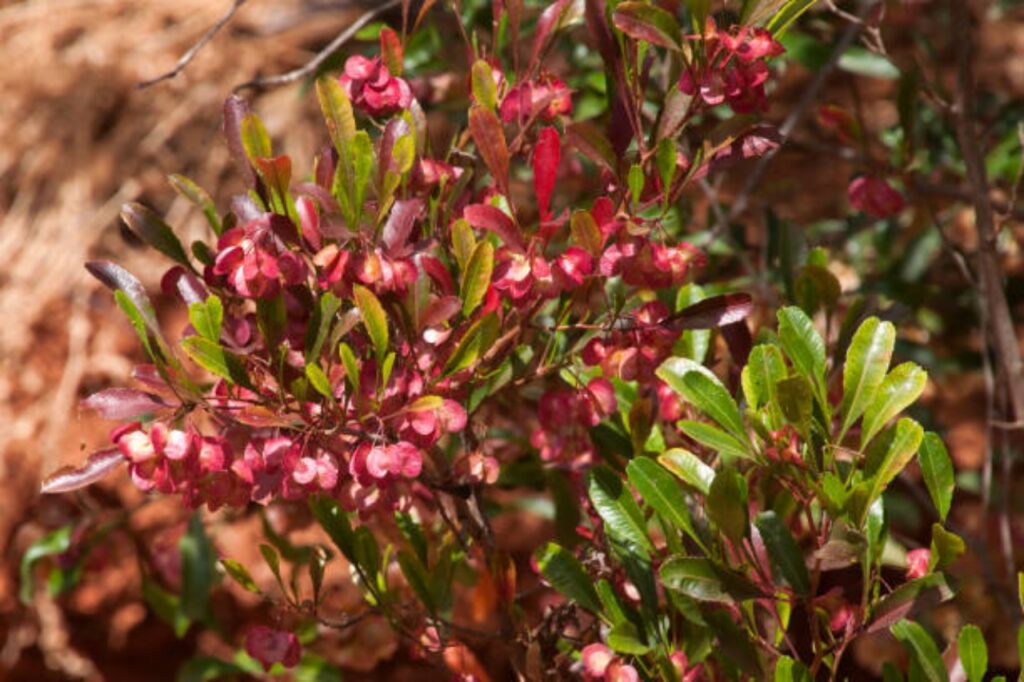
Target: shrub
{"points": [[410, 329]]}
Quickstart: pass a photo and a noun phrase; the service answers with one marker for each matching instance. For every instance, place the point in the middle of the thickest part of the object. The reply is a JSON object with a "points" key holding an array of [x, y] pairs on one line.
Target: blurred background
{"points": [[78, 138]]}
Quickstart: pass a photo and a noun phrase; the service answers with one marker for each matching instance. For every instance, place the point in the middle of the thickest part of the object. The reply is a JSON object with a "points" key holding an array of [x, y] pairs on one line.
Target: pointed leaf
{"points": [[374, 319], [463, 242], [565, 573], [68, 478], [917, 640], [485, 90], [240, 574], [689, 468], [973, 653], [726, 504], [124, 403], [485, 127], [486, 217], [337, 109], [642, 21], [937, 471], [785, 555], [867, 361], [477, 277], [712, 312], [899, 390], [803, 344], [215, 359], [714, 438], [546, 155], [615, 504], [197, 574], [658, 489], [199, 197], [152, 229], [765, 368], [703, 390]]}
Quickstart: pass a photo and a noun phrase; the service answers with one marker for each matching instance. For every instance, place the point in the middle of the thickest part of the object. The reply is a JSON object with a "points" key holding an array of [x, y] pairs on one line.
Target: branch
{"points": [[800, 108], [312, 65], [1007, 394], [194, 50]]}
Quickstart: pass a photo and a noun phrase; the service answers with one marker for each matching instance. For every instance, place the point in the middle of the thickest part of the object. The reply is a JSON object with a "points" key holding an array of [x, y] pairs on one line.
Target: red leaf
{"points": [[391, 51], [235, 109], [484, 217], [485, 127], [546, 155], [399, 224], [68, 478], [717, 311], [124, 403], [641, 21], [550, 20]]}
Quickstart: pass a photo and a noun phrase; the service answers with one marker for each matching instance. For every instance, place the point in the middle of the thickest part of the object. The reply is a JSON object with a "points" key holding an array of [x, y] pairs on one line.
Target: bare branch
{"points": [[194, 50], [1007, 394], [312, 65]]}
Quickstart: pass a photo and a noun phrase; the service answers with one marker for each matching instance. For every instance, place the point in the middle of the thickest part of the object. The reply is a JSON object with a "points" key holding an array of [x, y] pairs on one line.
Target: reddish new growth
{"points": [[732, 68]]}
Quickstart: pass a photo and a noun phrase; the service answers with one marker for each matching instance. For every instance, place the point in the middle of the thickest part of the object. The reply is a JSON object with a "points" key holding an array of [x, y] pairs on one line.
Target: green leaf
{"points": [[337, 109], [274, 563], [207, 318], [788, 670], [703, 390], [213, 358], [318, 332], [665, 157], [946, 547], [937, 470], [624, 638], [864, 62], [783, 17], [919, 642], [734, 644], [803, 345], [785, 555], [796, 400], [199, 197], [319, 380], [650, 23], [658, 489], [197, 574], [973, 653], [463, 242], [615, 504], [374, 319], [348, 361], [240, 574], [477, 277], [473, 344], [565, 573], [727, 504], [50, 544], [635, 180], [362, 167], [765, 368], [333, 519], [255, 138], [866, 363], [714, 438], [892, 457], [702, 579], [165, 605], [152, 229], [416, 575], [688, 467], [699, 11], [899, 390], [485, 91], [694, 343]]}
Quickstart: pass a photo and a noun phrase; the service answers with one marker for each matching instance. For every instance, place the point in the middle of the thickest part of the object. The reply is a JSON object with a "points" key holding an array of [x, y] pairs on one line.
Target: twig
{"points": [[194, 50], [810, 93], [1009, 381], [312, 65]]}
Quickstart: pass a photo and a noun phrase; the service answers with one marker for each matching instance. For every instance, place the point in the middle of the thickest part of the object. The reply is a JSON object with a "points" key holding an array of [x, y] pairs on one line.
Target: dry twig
{"points": [[1002, 337], [194, 50], [312, 65]]}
